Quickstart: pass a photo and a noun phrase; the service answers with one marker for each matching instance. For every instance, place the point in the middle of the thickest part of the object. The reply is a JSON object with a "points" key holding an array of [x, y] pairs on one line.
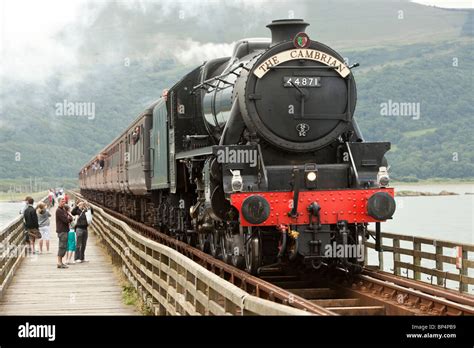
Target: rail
{"points": [[12, 251], [172, 284], [458, 269]]}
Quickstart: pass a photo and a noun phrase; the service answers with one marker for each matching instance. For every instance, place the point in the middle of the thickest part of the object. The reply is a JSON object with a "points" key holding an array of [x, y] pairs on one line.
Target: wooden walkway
{"points": [[40, 288]]}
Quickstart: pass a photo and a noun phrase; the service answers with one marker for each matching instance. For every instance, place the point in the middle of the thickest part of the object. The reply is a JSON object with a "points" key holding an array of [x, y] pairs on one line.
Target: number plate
{"points": [[302, 81]]}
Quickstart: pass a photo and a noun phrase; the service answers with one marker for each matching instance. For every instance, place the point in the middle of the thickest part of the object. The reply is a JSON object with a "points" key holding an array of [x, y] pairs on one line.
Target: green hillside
{"points": [[408, 60], [438, 142]]}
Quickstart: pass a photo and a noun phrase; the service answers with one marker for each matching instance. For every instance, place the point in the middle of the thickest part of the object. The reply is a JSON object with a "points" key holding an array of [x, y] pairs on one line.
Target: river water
{"points": [[8, 212], [436, 217]]}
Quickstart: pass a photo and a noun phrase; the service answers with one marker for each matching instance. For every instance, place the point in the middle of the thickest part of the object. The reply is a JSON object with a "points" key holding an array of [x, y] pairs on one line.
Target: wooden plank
{"points": [[428, 241], [40, 288], [439, 264], [362, 310], [396, 256], [417, 259], [437, 273], [422, 254], [313, 293], [294, 284], [337, 302], [396, 236], [463, 272]]}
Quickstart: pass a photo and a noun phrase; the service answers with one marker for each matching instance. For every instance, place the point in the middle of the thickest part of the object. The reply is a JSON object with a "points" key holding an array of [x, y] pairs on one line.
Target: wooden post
{"points": [[380, 253], [396, 257], [439, 264], [463, 272], [416, 260], [379, 244], [366, 254]]}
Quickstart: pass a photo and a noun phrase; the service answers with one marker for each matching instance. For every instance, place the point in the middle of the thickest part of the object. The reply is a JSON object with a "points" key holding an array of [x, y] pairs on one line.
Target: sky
{"points": [[447, 3], [27, 38], [29, 45]]}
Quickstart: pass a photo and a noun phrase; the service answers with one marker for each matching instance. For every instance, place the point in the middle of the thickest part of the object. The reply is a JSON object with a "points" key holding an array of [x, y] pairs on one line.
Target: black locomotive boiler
{"points": [[255, 158]]}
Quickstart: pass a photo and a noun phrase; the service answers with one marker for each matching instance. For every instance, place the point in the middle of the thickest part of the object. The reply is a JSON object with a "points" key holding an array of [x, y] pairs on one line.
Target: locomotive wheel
{"points": [[191, 239], [253, 254], [225, 252], [215, 244], [238, 261], [203, 243]]}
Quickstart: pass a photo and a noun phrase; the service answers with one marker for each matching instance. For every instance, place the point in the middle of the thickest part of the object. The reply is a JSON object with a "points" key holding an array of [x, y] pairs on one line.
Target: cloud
{"points": [[447, 3], [29, 47], [68, 39]]}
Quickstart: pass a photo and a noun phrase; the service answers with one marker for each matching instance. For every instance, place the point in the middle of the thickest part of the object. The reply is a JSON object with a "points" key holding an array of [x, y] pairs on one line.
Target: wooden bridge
{"points": [[33, 285], [38, 287], [174, 279]]}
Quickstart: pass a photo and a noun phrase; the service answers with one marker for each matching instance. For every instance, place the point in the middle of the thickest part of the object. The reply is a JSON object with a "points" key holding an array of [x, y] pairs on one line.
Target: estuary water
{"points": [[436, 217]]}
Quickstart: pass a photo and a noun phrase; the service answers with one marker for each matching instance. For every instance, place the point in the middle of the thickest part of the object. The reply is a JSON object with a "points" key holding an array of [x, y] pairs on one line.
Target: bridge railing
{"points": [[413, 256], [172, 284], [12, 250]]}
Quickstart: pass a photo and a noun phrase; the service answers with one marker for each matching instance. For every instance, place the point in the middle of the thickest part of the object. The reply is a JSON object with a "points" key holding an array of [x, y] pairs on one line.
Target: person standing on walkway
{"points": [[43, 222], [22, 213], [71, 247], [51, 198], [31, 223], [63, 218], [82, 211]]}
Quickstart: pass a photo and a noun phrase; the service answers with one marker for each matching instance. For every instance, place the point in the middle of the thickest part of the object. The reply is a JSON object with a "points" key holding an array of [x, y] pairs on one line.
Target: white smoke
{"points": [[193, 51], [67, 39]]}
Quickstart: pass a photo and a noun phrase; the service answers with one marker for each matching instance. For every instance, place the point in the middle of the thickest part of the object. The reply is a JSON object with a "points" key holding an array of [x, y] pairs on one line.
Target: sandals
{"points": [[62, 266]]}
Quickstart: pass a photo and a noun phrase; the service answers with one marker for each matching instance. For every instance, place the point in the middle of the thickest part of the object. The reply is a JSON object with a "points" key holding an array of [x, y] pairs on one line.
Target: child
{"points": [[71, 241], [71, 247]]}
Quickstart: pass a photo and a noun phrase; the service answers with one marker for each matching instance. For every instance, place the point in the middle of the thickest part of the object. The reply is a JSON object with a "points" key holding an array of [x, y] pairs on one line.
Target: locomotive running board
{"points": [[202, 151]]}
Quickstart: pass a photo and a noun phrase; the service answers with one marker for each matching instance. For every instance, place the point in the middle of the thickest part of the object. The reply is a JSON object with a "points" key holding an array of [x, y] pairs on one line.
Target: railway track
{"points": [[369, 293]]}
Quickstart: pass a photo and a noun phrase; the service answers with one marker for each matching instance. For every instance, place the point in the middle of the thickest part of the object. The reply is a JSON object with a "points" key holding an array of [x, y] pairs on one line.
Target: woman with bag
{"points": [[84, 219]]}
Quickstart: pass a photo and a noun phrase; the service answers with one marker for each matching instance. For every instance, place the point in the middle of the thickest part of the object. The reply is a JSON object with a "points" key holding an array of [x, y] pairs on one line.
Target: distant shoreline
{"points": [[6, 197], [408, 193], [432, 182]]}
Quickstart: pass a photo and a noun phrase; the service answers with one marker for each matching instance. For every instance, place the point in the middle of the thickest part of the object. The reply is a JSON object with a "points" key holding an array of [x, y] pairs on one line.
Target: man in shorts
{"points": [[31, 223], [63, 218]]}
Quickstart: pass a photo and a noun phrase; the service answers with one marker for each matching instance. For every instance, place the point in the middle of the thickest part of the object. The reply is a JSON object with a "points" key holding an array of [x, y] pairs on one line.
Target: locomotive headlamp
{"points": [[311, 174], [381, 206], [382, 177], [255, 209], [237, 181]]}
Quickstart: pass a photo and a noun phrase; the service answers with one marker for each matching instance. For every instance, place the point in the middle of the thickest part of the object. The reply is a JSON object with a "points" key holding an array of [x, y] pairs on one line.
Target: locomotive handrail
{"points": [[460, 269], [172, 284], [208, 82], [302, 67]]}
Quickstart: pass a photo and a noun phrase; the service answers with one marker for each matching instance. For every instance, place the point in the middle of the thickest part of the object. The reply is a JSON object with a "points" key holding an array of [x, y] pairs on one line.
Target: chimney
{"points": [[286, 29]]}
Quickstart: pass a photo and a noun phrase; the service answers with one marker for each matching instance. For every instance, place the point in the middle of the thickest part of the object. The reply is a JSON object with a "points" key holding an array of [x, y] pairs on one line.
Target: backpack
{"points": [[89, 216], [74, 221]]}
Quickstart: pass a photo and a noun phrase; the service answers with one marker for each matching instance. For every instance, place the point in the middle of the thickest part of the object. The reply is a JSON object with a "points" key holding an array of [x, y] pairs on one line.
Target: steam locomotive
{"points": [[254, 158]]}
